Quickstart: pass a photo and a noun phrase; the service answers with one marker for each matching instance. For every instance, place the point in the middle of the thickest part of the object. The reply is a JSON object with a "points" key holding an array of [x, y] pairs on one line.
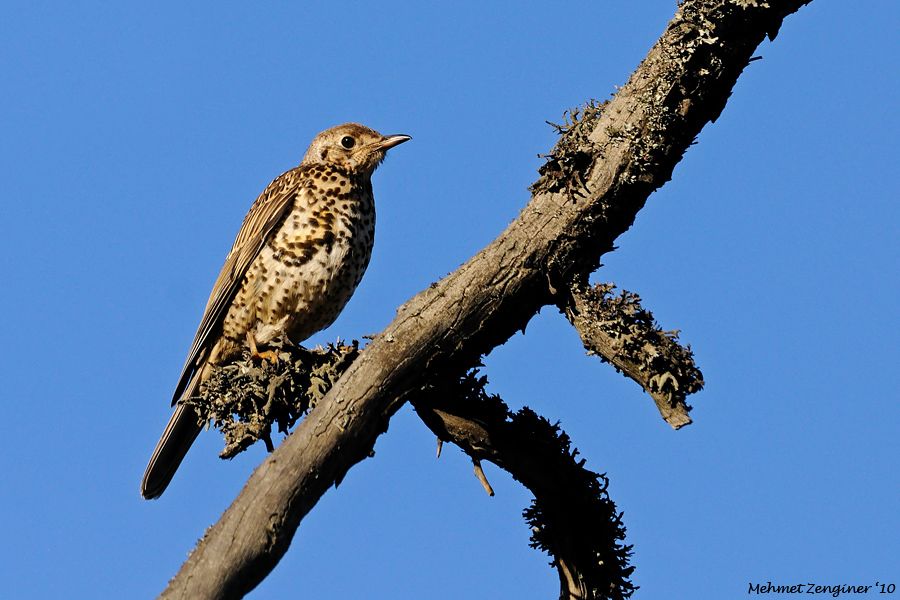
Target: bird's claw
{"points": [[255, 354], [269, 355]]}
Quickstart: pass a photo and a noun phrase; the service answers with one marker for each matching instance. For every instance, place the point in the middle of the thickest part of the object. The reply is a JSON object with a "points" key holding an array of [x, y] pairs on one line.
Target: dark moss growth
{"points": [[567, 164], [579, 527], [572, 517]]}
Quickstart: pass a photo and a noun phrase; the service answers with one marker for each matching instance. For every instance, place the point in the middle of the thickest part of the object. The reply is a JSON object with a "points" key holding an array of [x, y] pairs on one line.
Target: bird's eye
{"points": [[347, 142]]}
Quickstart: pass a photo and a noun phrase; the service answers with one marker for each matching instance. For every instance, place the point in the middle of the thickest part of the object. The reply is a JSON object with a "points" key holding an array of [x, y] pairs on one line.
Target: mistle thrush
{"points": [[297, 259]]}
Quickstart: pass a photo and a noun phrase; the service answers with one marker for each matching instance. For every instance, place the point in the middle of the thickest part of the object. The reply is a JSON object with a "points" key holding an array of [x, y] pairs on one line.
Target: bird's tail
{"points": [[172, 447]]}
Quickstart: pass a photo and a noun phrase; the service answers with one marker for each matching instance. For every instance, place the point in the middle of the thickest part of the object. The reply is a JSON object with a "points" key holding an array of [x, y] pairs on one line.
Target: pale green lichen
{"points": [[246, 398]]}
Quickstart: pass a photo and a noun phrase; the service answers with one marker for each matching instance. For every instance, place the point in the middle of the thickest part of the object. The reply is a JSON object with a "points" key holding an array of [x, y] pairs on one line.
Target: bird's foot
{"points": [[255, 354], [269, 355]]}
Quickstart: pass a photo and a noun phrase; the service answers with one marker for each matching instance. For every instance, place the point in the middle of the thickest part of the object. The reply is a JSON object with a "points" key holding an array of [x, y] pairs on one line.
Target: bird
{"points": [[299, 255]]}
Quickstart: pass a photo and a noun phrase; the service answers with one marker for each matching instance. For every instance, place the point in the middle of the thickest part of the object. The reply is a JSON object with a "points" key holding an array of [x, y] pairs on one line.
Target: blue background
{"points": [[136, 135]]}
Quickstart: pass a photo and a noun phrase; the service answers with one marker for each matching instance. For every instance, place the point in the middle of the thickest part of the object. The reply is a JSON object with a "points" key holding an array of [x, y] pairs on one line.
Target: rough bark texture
{"points": [[597, 179], [623, 333]]}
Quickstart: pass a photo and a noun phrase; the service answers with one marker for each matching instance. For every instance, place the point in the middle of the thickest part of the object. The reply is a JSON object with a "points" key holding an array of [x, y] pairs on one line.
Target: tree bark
{"points": [[623, 333], [608, 161]]}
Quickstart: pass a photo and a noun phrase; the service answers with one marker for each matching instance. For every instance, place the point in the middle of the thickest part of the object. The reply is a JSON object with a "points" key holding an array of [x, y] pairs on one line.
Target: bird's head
{"points": [[353, 147]]}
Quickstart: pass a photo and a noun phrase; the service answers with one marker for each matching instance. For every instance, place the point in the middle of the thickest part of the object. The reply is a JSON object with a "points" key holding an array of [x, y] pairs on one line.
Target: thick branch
{"points": [[630, 150], [572, 518], [622, 333]]}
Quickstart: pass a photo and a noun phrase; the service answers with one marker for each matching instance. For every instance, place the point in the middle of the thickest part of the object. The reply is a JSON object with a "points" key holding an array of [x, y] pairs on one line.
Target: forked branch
{"points": [[598, 178]]}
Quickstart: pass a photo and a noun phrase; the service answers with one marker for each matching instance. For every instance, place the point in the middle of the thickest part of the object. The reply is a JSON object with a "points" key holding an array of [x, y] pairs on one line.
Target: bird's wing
{"points": [[264, 216]]}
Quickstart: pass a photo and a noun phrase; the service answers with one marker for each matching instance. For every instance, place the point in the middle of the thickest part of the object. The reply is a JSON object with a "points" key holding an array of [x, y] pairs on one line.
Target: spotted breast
{"points": [[310, 267]]}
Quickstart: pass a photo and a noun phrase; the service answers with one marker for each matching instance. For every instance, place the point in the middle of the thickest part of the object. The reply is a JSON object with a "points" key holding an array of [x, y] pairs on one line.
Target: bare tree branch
{"points": [[614, 159]]}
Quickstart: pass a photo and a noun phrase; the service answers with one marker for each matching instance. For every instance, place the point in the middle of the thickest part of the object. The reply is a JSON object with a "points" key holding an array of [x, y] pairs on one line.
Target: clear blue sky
{"points": [[134, 138]]}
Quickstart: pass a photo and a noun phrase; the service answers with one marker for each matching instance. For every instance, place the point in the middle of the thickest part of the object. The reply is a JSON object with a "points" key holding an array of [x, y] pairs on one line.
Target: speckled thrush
{"points": [[299, 255]]}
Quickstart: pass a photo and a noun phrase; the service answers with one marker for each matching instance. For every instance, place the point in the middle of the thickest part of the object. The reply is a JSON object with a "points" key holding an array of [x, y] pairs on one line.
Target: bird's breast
{"points": [[311, 265]]}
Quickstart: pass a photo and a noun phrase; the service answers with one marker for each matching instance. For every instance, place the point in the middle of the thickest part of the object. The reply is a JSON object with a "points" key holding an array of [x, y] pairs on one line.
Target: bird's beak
{"points": [[390, 141]]}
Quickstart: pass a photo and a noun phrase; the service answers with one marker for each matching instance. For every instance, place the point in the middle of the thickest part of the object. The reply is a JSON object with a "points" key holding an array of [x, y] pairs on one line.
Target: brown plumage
{"points": [[299, 255]]}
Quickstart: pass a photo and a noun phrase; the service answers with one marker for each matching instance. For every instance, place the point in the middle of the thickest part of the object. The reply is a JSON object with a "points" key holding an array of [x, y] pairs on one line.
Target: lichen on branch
{"points": [[245, 398], [572, 517], [623, 333], [638, 138], [566, 166]]}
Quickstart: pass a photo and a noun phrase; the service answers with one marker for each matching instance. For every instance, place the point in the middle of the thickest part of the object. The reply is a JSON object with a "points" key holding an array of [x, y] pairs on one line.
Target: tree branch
{"points": [[571, 517], [623, 333], [614, 159]]}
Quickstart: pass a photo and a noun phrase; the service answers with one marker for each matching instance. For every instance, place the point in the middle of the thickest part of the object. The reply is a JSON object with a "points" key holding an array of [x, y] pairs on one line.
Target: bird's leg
{"points": [[255, 354]]}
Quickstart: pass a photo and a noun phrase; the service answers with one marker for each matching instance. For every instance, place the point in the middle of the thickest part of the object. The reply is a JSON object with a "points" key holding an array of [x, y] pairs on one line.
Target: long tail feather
{"points": [[171, 449]]}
